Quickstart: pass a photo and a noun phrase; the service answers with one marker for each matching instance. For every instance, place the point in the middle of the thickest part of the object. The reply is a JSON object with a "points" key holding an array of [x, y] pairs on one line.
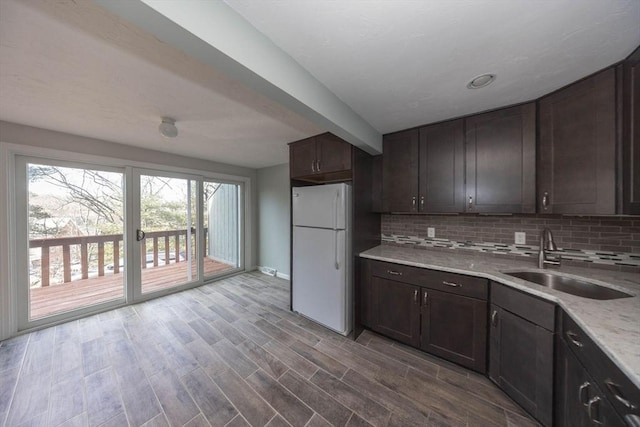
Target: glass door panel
{"points": [[167, 233], [75, 238], [221, 218]]}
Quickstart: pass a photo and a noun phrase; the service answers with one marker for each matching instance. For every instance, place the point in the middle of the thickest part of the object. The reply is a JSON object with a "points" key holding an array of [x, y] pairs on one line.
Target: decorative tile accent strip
{"points": [[591, 233], [590, 256]]}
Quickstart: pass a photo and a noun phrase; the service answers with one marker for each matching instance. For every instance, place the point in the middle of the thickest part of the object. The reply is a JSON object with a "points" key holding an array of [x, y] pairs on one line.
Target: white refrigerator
{"points": [[321, 277]]}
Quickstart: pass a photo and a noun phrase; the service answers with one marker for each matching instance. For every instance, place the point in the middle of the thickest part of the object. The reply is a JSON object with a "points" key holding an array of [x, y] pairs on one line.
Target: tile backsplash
{"points": [[608, 242]]}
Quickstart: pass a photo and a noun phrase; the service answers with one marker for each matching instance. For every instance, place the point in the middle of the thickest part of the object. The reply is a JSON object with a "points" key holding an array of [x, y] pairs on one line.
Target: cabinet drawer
{"points": [[439, 280], [614, 384], [535, 310]]}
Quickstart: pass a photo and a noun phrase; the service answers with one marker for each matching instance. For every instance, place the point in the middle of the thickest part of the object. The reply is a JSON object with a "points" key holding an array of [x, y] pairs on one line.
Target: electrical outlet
{"points": [[431, 232], [521, 238]]}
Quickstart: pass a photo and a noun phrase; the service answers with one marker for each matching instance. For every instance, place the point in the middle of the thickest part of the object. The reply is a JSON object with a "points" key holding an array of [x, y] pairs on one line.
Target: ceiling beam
{"points": [[217, 35]]}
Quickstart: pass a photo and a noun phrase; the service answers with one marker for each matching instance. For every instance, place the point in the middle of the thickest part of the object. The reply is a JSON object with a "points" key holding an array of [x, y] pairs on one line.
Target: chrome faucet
{"points": [[547, 244]]}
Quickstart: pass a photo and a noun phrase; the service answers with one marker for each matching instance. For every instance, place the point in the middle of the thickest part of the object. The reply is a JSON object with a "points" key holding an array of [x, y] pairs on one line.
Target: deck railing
{"points": [[67, 243]]}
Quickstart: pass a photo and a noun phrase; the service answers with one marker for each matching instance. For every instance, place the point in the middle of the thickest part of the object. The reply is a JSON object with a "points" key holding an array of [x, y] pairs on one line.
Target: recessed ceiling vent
{"points": [[481, 81]]}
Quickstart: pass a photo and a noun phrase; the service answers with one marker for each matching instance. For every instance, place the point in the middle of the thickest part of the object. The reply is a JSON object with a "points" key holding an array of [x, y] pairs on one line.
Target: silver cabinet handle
{"points": [[421, 203], [583, 393], [574, 339], [318, 165], [394, 273], [415, 296], [615, 390], [313, 166], [413, 203], [593, 409], [424, 298], [494, 318], [545, 200], [470, 201], [453, 285]]}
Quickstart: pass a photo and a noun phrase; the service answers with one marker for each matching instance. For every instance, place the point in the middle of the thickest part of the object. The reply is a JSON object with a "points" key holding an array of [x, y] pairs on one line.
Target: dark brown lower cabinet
{"points": [[521, 362], [537, 354], [396, 310], [590, 389], [442, 313], [579, 400], [454, 327]]}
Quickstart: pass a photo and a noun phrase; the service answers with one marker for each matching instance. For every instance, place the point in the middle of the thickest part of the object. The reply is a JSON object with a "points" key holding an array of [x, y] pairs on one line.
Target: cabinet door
{"points": [[577, 148], [366, 288], [302, 157], [500, 153], [332, 153], [376, 184], [631, 134], [572, 390], [441, 184], [521, 362], [580, 402], [400, 171], [396, 310], [455, 328]]}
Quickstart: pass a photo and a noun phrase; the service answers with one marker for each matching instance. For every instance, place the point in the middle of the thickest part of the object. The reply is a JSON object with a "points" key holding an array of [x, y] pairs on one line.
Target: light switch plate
{"points": [[520, 238], [431, 232]]}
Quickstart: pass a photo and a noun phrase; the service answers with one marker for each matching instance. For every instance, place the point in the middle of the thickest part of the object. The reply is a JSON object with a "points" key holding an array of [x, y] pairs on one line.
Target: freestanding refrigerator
{"points": [[321, 280]]}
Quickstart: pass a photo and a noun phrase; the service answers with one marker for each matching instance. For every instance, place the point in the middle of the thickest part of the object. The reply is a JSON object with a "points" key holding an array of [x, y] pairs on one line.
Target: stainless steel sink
{"points": [[569, 285]]}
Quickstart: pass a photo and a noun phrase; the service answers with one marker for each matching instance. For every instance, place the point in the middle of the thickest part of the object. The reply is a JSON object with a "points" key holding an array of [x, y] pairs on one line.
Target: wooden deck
{"points": [[55, 299]]}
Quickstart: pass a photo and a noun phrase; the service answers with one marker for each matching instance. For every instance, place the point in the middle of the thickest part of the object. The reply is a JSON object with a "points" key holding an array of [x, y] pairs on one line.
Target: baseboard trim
{"points": [[283, 276], [270, 271]]}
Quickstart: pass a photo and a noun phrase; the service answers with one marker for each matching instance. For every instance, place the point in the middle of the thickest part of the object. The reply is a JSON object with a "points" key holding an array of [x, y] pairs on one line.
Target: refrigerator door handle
{"points": [[335, 239], [336, 213]]}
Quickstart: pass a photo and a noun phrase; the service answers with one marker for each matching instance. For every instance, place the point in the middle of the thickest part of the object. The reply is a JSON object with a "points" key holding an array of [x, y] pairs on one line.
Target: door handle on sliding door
{"points": [[140, 235]]}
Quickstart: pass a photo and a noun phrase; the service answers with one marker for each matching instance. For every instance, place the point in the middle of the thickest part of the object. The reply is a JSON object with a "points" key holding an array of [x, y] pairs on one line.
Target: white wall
{"points": [[274, 219], [15, 138]]}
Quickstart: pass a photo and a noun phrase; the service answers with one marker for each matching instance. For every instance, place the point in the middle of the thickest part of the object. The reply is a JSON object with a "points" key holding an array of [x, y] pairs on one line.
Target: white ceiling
{"points": [[404, 63], [72, 66]]}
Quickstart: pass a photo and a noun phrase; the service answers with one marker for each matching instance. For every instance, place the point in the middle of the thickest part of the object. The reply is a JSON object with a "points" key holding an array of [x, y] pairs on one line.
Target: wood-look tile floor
{"points": [[231, 354]]}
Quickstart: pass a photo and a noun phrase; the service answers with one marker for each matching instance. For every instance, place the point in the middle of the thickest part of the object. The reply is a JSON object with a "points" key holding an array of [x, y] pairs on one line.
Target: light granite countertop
{"points": [[613, 324]]}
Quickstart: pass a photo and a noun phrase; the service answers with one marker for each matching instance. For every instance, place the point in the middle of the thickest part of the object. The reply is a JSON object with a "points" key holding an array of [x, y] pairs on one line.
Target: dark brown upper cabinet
{"points": [[441, 183], [500, 161], [400, 171], [630, 98], [321, 158], [423, 170], [376, 183], [577, 148]]}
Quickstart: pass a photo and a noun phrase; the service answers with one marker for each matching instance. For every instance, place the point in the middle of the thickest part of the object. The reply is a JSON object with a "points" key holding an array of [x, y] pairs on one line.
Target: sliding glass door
{"points": [[72, 236], [168, 232], [89, 237]]}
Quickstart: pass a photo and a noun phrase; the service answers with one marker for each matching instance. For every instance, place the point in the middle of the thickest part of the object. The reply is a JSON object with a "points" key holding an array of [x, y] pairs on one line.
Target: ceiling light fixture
{"points": [[168, 127], [481, 81]]}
